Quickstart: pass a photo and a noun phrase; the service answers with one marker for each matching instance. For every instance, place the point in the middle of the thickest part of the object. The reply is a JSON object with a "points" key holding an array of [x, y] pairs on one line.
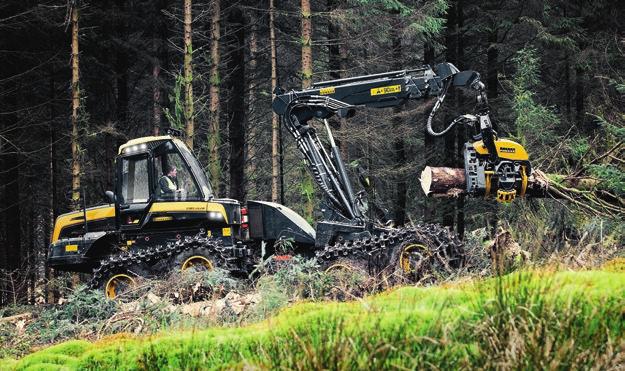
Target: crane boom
{"points": [[344, 209]]}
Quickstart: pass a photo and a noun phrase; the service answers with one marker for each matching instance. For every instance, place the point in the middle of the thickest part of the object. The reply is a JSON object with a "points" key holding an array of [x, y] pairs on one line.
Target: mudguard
{"points": [[72, 254], [270, 221]]}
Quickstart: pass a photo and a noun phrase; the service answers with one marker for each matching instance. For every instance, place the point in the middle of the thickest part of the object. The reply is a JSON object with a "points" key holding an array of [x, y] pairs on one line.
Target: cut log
{"points": [[443, 181], [451, 182], [580, 191]]}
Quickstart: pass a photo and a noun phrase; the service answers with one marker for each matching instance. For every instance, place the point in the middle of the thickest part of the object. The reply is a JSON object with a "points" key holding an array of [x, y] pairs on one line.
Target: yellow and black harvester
{"points": [[163, 214]]}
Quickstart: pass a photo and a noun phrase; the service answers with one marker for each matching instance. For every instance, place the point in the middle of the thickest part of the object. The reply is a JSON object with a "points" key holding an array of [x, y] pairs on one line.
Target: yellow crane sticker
{"points": [[71, 248], [327, 91], [386, 90]]}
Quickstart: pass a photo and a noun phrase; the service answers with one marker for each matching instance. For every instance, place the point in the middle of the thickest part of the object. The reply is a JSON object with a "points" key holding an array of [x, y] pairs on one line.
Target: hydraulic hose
{"points": [[439, 102]]}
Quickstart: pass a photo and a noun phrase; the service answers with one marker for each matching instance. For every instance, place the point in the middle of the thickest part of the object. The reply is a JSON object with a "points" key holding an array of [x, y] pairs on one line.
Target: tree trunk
{"points": [[337, 55], [156, 97], [214, 140], [188, 74], [121, 69], [460, 129], [236, 66], [579, 97], [492, 56], [75, 107], [451, 182], [449, 154], [582, 192], [307, 63], [11, 257], [429, 148], [251, 129], [52, 168], [307, 71], [275, 126], [157, 47], [401, 198]]}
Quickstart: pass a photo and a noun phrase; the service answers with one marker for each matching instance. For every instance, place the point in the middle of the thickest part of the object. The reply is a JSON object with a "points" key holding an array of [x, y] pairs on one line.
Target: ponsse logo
{"points": [[507, 149]]}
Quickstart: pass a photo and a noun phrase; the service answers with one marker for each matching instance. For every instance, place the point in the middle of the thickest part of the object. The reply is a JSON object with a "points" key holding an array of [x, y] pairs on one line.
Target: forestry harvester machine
{"points": [[163, 214]]}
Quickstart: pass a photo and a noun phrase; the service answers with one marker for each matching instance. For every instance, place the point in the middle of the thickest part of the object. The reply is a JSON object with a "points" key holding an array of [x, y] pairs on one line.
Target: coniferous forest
{"points": [[80, 78]]}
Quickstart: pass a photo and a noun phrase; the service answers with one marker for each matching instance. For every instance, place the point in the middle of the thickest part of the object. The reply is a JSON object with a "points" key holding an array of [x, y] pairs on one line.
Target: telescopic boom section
{"points": [[342, 97]]}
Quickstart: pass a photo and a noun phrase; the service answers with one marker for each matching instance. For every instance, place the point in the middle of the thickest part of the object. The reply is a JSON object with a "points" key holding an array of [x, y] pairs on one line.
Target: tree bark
{"points": [[157, 45], [460, 130], [188, 74], [75, 107], [121, 68], [236, 66], [250, 128], [579, 97], [307, 71], [275, 125], [337, 55], [214, 140], [448, 209], [307, 63], [429, 146], [52, 169], [492, 57], [401, 192]]}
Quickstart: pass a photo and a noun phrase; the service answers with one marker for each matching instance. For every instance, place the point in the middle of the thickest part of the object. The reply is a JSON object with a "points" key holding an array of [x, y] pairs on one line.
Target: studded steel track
{"points": [[150, 255], [444, 250]]}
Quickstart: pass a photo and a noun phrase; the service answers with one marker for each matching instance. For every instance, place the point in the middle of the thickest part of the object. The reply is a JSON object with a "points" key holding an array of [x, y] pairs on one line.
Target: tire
{"points": [[119, 284], [349, 278], [198, 259], [431, 254]]}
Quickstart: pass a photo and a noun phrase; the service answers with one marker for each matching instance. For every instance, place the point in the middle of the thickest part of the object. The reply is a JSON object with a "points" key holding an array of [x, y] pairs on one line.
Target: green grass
{"points": [[525, 320]]}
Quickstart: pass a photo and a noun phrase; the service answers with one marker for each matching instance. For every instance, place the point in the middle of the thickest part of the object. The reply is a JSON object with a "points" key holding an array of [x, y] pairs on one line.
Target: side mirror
{"points": [[110, 195]]}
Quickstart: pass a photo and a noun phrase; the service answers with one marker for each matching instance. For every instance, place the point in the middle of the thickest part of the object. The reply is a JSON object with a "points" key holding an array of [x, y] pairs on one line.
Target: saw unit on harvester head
{"points": [[163, 214]]}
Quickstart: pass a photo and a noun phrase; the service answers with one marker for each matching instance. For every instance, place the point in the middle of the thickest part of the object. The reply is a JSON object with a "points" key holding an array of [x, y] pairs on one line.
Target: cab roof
{"points": [[138, 141]]}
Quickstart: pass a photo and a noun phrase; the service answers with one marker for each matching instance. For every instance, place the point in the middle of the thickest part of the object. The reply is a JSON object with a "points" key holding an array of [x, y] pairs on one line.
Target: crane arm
{"points": [[341, 98]]}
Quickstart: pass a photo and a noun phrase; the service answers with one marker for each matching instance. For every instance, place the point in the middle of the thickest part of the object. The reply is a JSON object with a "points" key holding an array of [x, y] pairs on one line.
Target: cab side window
{"points": [[135, 180]]}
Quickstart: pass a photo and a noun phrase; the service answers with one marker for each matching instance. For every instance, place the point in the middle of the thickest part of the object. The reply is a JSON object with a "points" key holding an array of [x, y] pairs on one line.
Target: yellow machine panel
{"points": [[189, 207], [506, 149], [76, 217]]}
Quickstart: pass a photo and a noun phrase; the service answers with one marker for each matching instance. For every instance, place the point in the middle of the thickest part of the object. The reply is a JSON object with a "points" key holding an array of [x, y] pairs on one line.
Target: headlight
{"points": [[215, 216]]}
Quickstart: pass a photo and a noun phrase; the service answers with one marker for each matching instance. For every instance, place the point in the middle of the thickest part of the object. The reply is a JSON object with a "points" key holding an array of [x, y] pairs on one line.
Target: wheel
{"points": [[433, 252], [345, 265], [349, 278], [118, 284], [199, 259], [412, 262], [197, 263]]}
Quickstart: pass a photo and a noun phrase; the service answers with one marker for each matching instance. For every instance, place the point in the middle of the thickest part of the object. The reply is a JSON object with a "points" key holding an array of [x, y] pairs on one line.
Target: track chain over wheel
{"points": [[407, 254], [162, 258], [410, 253]]}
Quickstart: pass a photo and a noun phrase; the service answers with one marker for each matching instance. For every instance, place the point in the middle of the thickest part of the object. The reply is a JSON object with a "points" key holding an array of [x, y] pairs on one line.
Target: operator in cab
{"points": [[168, 183]]}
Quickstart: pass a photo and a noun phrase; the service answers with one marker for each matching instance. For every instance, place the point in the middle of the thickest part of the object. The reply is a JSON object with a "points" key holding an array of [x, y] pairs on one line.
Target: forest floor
{"points": [[533, 318]]}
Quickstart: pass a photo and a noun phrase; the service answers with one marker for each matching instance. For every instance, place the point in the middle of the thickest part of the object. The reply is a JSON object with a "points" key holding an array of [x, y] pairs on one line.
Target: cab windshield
{"points": [[197, 170], [175, 180]]}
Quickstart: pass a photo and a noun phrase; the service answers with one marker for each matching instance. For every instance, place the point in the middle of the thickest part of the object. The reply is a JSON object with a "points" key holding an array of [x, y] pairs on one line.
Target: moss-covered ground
{"points": [[530, 320]]}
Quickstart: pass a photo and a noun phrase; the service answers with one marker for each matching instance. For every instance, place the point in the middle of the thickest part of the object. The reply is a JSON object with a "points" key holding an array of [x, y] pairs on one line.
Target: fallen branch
{"points": [[16, 317]]}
